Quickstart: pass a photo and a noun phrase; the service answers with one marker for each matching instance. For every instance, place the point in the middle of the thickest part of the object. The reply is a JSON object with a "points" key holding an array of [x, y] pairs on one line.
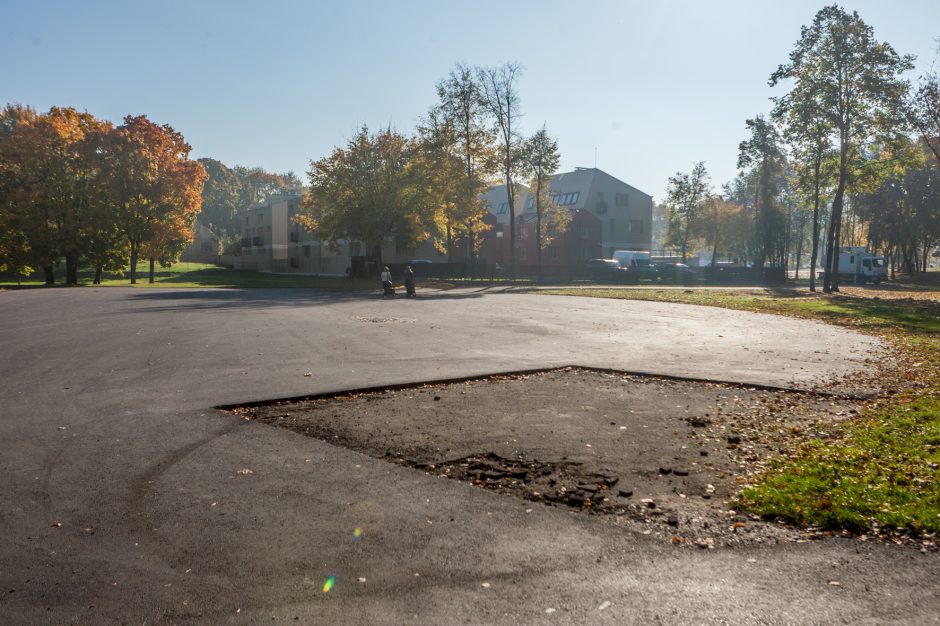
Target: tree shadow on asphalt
{"points": [[194, 300]]}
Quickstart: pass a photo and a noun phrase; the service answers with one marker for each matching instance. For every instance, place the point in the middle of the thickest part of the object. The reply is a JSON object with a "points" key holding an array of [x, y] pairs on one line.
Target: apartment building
{"points": [[273, 242]]}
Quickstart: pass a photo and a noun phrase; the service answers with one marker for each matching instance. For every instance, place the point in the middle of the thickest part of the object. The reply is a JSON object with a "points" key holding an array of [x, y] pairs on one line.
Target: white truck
{"points": [[857, 265]]}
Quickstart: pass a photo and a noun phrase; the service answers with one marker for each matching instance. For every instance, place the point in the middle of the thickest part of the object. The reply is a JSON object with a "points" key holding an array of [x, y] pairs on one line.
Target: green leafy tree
{"points": [[541, 157], [463, 106], [685, 195], [762, 151], [221, 196], [854, 81], [369, 191], [925, 111], [809, 133]]}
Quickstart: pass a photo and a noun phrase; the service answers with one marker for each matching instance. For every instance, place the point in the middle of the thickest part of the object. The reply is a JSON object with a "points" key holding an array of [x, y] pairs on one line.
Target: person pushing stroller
{"points": [[388, 289]]}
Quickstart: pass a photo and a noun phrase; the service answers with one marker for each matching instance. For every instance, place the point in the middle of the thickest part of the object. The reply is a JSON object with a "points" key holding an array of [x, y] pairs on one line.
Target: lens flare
{"points": [[328, 583]]}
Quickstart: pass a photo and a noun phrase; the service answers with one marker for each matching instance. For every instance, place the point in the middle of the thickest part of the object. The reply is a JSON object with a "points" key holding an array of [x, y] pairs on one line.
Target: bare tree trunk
{"points": [[50, 274], [538, 232], [134, 252], [812, 263], [97, 280], [150, 280], [71, 269]]}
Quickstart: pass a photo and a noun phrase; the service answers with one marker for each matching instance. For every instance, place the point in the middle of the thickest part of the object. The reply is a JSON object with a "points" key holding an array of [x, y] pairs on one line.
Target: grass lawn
{"points": [[199, 275], [881, 472]]}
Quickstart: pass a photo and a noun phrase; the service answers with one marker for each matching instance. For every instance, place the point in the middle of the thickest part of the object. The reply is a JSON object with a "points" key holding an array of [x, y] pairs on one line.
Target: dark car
{"points": [[675, 273], [607, 270]]}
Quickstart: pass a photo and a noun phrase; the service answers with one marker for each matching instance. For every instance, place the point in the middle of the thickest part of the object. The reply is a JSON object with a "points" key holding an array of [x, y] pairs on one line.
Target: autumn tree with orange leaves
{"points": [[49, 186], [74, 187], [155, 188]]}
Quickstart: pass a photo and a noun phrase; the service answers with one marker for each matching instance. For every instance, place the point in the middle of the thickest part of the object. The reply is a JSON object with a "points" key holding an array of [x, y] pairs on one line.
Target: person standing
{"points": [[387, 288], [410, 283]]}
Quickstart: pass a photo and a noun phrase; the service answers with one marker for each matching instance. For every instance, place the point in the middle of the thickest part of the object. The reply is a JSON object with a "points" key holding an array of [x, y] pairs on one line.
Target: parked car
{"points": [[608, 270], [675, 272]]}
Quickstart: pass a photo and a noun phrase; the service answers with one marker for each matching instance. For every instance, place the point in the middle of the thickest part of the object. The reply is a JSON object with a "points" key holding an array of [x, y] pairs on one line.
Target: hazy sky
{"points": [[653, 86]]}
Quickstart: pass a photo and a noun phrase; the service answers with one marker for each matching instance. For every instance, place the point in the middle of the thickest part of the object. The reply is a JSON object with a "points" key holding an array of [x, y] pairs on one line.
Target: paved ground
{"points": [[127, 498]]}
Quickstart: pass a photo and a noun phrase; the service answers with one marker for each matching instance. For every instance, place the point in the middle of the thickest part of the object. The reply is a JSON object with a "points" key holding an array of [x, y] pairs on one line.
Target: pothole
{"points": [[659, 456]]}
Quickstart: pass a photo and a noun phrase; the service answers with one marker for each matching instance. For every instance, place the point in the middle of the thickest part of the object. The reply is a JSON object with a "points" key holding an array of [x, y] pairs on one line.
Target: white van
{"points": [[633, 258], [637, 261]]}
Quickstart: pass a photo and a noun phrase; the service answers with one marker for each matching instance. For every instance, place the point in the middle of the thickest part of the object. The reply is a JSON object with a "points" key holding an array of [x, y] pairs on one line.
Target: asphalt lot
{"points": [[127, 498]]}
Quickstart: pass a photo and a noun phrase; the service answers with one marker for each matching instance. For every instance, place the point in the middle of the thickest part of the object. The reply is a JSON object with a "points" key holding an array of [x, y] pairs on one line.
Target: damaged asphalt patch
{"points": [[658, 456]]}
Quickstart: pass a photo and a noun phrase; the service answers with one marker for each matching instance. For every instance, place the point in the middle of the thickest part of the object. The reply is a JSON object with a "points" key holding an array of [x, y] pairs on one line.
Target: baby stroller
{"points": [[388, 289]]}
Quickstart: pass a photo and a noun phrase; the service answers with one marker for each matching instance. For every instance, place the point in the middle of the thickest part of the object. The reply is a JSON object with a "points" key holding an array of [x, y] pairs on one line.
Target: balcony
{"points": [[246, 242], [257, 241]]}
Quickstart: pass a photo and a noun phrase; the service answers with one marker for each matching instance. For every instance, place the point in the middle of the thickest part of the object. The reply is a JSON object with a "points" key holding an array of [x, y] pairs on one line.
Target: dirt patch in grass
{"points": [[661, 457]]}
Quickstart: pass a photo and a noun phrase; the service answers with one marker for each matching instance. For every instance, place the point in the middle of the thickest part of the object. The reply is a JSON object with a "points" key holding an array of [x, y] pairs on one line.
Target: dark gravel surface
{"points": [[658, 456]]}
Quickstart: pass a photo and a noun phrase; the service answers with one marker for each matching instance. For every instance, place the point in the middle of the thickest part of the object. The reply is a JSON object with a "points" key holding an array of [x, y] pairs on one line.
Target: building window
{"points": [[260, 218], [553, 253], [585, 231], [502, 208], [520, 254], [530, 204], [566, 199], [622, 199], [552, 230], [306, 250], [636, 227], [584, 253], [294, 262]]}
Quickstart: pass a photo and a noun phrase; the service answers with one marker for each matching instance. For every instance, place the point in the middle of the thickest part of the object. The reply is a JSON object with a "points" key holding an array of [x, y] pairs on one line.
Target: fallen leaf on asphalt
{"points": [[57, 524], [308, 374], [835, 583], [485, 585], [244, 472], [61, 427], [604, 605], [361, 579]]}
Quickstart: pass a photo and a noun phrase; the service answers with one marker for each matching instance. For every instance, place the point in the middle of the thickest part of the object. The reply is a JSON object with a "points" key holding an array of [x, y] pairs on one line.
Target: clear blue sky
{"points": [[653, 86]]}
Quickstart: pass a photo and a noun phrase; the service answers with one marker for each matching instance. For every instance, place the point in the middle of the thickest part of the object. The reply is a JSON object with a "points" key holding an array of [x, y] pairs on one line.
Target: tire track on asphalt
{"points": [[140, 487]]}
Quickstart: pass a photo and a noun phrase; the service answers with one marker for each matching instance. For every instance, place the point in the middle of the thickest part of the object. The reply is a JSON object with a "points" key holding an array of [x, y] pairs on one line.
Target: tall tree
{"points": [[368, 192], [220, 199], [809, 133], [685, 195], [438, 169], [838, 66], [152, 180], [14, 243], [762, 151], [722, 225], [50, 163], [925, 110], [463, 106], [540, 154], [500, 90]]}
